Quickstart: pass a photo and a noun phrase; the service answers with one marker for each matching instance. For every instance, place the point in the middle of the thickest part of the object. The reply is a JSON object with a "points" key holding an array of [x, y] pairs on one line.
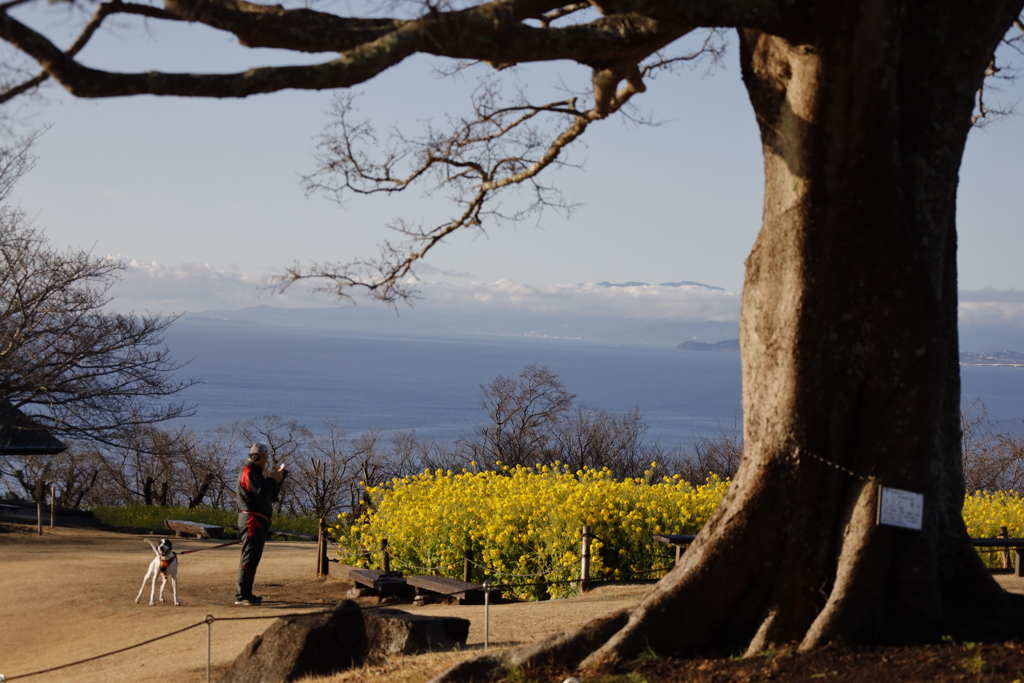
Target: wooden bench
{"points": [[364, 577], [680, 541], [376, 581], [181, 527], [463, 591]]}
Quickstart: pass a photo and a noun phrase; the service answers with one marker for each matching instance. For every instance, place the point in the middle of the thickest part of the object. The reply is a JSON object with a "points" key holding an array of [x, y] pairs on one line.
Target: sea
{"points": [[432, 386]]}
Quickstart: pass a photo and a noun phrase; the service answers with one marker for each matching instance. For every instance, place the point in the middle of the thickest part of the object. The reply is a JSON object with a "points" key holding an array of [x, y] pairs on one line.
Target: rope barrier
{"points": [[210, 619], [525, 576], [412, 566], [631, 552], [107, 654]]}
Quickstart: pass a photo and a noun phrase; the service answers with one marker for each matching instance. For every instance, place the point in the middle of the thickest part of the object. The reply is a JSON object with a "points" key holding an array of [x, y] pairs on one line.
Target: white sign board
{"points": [[900, 508]]}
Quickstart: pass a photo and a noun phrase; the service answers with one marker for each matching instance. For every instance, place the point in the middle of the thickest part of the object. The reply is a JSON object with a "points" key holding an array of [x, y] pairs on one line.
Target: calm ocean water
{"points": [[433, 385]]}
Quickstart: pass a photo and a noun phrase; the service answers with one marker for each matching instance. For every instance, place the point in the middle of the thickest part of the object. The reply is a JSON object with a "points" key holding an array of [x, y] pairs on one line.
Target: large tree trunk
{"points": [[850, 354]]}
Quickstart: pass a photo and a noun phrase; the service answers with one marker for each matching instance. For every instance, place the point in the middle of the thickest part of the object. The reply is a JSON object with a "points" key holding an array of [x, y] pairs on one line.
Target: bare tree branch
{"points": [[501, 146]]}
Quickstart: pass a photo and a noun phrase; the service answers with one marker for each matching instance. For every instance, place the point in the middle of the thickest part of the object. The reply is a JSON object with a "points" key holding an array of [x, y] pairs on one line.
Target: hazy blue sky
{"points": [[210, 189]]}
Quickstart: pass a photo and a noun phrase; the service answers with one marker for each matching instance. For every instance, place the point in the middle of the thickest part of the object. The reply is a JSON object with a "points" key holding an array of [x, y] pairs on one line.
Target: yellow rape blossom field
{"points": [[523, 524]]}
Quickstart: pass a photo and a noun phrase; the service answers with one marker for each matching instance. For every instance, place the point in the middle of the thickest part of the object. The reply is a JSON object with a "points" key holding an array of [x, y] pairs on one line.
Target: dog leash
{"points": [[186, 552]]}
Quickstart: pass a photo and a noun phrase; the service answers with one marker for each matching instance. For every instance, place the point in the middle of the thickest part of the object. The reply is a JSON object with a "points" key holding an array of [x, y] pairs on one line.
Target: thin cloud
{"points": [[152, 286], [640, 302], [992, 308]]}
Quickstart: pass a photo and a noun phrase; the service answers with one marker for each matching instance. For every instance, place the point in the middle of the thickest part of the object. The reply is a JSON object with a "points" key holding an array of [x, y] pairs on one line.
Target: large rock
{"points": [[297, 646], [326, 642], [393, 632]]}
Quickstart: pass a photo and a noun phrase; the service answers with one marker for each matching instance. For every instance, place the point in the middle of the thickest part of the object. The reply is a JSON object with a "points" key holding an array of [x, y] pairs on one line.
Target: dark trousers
{"points": [[253, 532]]}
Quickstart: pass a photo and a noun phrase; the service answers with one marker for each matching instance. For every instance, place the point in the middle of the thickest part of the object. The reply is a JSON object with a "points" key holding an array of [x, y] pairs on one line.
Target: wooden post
{"points": [[1005, 552], [386, 554], [322, 564], [467, 565], [585, 560], [53, 503]]}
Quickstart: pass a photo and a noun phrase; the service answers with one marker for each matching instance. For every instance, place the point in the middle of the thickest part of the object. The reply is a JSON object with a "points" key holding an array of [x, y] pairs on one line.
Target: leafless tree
{"points": [[597, 439], [81, 371], [523, 414], [205, 468], [289, 443], [711, 455], [75, 473], [323, 482], [848, 324], [146, 468], [992, 461]]}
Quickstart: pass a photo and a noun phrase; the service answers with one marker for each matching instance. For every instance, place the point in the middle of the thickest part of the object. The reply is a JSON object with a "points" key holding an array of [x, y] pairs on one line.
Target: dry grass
{"points": [[69, 595]]}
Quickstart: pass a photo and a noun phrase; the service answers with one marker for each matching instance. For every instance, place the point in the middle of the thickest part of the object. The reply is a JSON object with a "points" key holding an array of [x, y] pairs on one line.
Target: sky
{"points": [[203, 198]]}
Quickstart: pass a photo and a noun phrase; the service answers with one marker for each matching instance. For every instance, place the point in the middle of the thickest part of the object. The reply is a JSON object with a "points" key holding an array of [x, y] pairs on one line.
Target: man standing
{"points": [[256, 493]]}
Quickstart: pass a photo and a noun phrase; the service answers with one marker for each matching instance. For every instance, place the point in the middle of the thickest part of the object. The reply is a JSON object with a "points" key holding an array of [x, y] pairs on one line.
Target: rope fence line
{"points": [[210, 619], [526, 576], [3, 678], [634, 553]]}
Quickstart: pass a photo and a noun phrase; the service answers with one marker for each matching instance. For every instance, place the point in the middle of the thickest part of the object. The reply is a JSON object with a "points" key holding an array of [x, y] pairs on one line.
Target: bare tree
{"points": [[597, 439], [524, 413], [992, 462], [322, 482], [75, 474], [80, 370], [205, 477], [710, 455], [848, 324], [289, 442]]}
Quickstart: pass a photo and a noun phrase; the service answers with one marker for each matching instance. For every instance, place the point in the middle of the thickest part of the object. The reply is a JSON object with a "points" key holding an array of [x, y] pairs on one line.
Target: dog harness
{"points": [[164, 564]]}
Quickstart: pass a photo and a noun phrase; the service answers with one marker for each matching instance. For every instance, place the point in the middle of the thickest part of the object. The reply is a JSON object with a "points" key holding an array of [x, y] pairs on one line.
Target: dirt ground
{"points": [[69, 595]]}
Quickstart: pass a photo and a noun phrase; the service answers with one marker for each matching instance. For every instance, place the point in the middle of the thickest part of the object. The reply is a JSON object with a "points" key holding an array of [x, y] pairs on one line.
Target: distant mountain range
{"points": [[684, 283], [596, 313], [371, 319], [729, 345]]}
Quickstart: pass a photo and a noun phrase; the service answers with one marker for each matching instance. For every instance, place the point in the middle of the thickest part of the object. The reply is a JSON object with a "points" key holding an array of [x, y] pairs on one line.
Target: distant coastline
{"points": [[729, 345], [996, 358]]}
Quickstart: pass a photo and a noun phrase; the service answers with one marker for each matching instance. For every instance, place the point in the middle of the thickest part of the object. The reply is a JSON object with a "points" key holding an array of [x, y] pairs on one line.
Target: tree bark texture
{"points": [[850, 353], [849, 317]]}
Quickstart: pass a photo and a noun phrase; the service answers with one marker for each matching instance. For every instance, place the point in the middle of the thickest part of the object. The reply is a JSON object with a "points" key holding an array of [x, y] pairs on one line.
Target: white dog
{"points": [[166, 565]]}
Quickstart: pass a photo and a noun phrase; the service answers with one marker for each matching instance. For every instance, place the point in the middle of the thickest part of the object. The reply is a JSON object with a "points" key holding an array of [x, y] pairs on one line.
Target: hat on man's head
{"points": [[258, 449]]}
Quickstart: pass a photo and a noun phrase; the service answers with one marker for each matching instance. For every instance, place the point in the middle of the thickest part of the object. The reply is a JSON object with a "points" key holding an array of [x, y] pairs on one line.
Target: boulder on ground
{"points": [[323, 643], [292, 647], [391, 632]]}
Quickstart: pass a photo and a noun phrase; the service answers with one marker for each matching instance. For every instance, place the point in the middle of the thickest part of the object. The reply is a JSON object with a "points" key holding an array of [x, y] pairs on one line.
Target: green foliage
{"points": [[153, 516]]}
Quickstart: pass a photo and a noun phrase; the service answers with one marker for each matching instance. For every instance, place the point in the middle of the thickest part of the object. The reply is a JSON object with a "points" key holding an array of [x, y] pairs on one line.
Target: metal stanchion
{"points": [[209, 641], [487, 613]]}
